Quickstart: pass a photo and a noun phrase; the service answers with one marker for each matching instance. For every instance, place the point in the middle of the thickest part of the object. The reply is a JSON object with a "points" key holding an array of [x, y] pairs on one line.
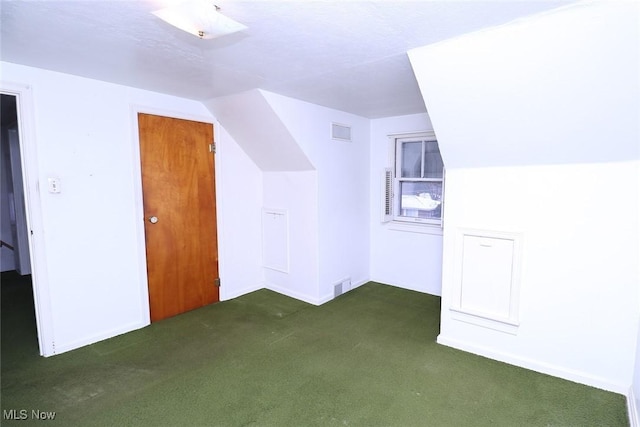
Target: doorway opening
{"points": [[18, 311], [14, 240]]}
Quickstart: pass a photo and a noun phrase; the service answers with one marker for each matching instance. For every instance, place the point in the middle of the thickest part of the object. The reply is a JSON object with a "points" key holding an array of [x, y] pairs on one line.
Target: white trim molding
{"points": [[506, 317], [632, 408]]}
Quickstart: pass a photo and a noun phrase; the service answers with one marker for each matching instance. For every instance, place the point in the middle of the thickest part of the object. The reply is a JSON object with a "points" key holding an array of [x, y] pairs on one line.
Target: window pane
{"points": [[433, 165], [421, 199], [411, 159]]}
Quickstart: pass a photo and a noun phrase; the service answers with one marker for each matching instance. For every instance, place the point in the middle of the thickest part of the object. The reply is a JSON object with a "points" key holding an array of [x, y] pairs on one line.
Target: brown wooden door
{"points": [[178, 187]]}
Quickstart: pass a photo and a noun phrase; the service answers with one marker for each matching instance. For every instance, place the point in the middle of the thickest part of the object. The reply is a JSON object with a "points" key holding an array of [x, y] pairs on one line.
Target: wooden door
{"points": [[178, 187]]}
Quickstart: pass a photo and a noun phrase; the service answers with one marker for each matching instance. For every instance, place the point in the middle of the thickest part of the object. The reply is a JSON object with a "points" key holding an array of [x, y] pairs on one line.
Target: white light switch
{"points": [[54, 185]]}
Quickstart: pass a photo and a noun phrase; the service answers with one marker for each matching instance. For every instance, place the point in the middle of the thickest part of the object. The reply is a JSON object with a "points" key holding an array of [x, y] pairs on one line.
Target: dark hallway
{"points": [[19, 334]]}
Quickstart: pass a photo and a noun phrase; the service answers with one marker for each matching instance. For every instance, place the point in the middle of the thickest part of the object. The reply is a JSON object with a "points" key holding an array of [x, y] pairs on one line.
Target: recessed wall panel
{"points": [[275, 239], [486, 276], [487, 279]]}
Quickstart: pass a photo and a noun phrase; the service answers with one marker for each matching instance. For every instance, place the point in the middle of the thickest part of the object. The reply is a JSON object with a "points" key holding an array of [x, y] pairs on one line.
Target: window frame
{"points": [[396, 217]]}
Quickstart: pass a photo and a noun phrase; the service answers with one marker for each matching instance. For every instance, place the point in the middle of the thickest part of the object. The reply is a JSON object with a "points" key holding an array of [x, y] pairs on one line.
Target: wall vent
{"points": [[341, 287], [337, 290], [340, 132], [387, 195]]}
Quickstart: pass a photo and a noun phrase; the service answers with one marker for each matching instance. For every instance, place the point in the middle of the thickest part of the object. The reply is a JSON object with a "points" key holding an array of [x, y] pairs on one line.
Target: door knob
{"points": [[153, 219]]}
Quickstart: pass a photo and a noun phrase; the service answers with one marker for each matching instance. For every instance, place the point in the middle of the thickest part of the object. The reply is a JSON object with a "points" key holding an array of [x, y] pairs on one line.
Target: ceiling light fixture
{"points": [[200, 18]]}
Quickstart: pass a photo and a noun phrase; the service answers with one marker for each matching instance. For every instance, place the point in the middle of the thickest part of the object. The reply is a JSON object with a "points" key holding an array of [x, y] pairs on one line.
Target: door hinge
{"points": [[212, 148], [216, 282]]}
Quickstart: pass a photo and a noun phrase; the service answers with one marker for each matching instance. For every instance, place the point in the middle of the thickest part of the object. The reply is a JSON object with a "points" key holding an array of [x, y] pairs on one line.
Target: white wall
{"points": [[558, 92], [344, 181], [274, 154], [85, 136], [401, 255], [239, 188], [297, 194], [578, 295], [342, 189]]}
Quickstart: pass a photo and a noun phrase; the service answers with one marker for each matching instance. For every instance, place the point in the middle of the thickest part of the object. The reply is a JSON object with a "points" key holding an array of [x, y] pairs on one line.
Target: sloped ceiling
{"points": [[559, 88], [346, 55], [251, 121]]}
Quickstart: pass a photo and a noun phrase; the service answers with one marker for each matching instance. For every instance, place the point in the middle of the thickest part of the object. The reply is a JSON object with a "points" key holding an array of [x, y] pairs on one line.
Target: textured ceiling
{"points": [[347, 55]]}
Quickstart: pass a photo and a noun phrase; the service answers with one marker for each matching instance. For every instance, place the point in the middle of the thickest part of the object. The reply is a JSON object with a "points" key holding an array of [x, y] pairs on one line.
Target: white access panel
{"points": [[486, 289], [275, 239], [487, 265]]}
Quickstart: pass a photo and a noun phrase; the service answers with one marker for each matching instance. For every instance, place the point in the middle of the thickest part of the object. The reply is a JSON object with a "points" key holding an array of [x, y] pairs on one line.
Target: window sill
{"points": [[413, 227]]}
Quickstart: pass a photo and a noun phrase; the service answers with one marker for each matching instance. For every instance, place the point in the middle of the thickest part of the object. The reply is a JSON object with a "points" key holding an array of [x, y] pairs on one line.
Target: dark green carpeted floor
{"points": [[368, 358]]}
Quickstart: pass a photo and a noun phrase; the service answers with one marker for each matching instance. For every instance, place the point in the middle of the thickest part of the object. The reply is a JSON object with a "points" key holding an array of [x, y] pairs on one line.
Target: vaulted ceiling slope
{"points": [[574, 97], [270, 145], [346, 55]]}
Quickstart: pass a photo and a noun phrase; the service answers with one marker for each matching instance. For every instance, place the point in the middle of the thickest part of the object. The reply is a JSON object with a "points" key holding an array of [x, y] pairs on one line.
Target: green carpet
{"points": [[367, 358]]}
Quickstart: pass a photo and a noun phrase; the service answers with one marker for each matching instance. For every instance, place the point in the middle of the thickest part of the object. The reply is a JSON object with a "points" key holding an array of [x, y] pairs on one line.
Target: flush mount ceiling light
{"points": [[200, 18]]}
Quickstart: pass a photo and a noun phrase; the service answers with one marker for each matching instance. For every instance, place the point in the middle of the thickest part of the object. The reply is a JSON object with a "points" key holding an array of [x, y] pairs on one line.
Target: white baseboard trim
{"points": [[293, 294], [227, 294], [534, 365], [63, 348], [359, 283], [435, 292], [330, 296], [307, 298], [632, 408], [325, 298]]}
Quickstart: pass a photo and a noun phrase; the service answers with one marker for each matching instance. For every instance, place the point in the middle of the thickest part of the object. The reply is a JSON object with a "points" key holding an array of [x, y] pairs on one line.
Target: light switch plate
{"points": [[54, 185]]}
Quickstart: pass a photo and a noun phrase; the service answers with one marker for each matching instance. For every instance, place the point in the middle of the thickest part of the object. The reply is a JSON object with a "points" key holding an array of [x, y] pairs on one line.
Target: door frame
{"points": [[33, 213], [141, 248]]}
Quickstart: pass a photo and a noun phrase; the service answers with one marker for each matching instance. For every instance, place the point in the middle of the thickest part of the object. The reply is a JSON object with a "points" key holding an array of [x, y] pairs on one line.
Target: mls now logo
{"points": [[15, 414], [23, 414]]}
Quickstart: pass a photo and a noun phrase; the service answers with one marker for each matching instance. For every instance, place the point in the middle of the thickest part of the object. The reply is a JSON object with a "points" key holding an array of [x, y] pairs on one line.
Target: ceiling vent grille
{"points": [[340, 132]]}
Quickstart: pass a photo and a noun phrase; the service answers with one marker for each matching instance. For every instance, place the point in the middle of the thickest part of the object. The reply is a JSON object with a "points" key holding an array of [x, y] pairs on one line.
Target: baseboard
{"points": [[632, 408], [325, 298], [308, 298], [63, 348], [227, 294], [330, 296], [359, 283], [534, 365], [293, 294], [435, 292]]}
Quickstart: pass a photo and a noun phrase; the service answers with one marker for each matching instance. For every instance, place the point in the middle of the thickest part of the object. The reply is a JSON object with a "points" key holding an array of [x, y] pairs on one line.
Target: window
{"points": [[417, 180]]}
